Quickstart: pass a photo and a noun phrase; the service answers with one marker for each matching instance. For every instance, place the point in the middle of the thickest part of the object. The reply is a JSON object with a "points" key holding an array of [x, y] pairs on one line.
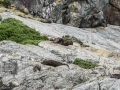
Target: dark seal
{"points": [[46, 20], [53, 63], [115, 76], [67, 42], [62, 41]]}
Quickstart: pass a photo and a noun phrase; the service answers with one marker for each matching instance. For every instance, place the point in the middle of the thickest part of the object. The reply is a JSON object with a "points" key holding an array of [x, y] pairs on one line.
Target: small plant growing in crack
{"points": [[84, 64], [74, 39]]}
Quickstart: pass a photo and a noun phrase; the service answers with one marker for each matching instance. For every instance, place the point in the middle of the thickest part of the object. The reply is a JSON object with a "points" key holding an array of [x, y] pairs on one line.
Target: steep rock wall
{"points": [[112, 12], [63, 11]]}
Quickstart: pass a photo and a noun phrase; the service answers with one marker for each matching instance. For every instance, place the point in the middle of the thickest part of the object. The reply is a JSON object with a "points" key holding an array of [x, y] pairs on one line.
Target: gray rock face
{"points": [[21, 68], [25, 78], [114, 17], [94, 20], [62, 11], [115, 3]]}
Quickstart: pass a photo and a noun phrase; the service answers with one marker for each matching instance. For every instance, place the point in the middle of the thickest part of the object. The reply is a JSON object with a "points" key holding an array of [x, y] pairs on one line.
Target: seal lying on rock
{"points": [[58, 40], [46, 20], [115, 76], [62, 41], [53, 63], [51, 39], [67, 42]]}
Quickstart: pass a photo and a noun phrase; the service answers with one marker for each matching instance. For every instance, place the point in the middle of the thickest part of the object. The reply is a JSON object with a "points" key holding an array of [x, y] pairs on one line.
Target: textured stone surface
{"points": [[62, 11], [115, 3], [24, 58], [93, 20], [50, 78], [114, 17]]}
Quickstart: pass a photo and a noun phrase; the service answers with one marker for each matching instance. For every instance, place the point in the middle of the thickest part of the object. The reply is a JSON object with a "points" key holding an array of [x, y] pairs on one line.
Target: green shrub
{"points": [[6, 3], [84, 64], [15, 30]]}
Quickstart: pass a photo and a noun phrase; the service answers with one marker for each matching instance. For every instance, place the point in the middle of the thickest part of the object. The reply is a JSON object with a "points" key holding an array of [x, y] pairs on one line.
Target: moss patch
{"points": [[15, 30], [84, 64]]}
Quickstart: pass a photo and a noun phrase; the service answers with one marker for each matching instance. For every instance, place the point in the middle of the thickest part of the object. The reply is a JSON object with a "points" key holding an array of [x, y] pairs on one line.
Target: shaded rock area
{"points": [[21, 68], [112, 12], [94, 20]]}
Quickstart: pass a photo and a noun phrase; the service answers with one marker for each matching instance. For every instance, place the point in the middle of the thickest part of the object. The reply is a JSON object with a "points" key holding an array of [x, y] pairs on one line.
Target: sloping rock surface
{"points": [[17, 62], [107, 37]]}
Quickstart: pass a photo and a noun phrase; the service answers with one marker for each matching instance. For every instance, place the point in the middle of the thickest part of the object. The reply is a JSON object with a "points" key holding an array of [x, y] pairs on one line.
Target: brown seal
{"points": [[115, 76], [46, 20], [51, 39], [58, 40], [53, 63], [62, 41], [67, 42]]}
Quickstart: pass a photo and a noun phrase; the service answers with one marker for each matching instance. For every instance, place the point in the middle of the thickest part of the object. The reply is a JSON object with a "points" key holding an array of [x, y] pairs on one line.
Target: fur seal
{"points": [[62, 41], [53, 63], [115, 76], [46, 20], [67, 42], [51, 39], [58, 40]]}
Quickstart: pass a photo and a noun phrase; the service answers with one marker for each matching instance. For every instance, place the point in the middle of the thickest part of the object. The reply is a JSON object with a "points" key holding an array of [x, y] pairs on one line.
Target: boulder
{"points": [[26, 11], [94, 20]]}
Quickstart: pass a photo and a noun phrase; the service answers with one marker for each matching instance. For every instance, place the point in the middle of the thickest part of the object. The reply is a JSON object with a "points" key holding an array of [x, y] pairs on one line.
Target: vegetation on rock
{"points": [[74, 39], [15, 30], [84, 64]]}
